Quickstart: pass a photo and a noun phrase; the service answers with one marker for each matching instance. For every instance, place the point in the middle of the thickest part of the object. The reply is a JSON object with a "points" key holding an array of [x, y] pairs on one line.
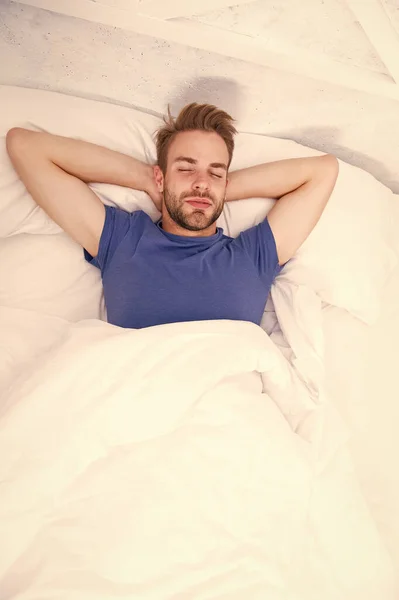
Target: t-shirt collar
{"points": [[190, 239]]}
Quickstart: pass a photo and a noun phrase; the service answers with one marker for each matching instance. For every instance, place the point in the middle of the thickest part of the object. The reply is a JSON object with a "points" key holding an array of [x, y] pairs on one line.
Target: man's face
{"points": [[196, 172]]}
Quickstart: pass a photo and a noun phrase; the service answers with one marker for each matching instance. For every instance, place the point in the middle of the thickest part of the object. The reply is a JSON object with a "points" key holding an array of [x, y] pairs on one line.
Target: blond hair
{"points": [[194, 117]]}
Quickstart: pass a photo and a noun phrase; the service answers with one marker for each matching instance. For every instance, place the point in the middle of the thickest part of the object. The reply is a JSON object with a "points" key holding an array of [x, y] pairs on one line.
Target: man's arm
{"points": [[55, 171], [302, 187]]}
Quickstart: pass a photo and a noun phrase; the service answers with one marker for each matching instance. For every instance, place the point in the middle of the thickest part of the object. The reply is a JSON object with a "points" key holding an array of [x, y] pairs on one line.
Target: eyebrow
{"points": [[215, 165]]}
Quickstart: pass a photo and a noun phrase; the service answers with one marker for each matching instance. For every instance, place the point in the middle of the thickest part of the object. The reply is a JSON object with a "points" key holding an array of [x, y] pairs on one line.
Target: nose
{"points": [[201, 184]]}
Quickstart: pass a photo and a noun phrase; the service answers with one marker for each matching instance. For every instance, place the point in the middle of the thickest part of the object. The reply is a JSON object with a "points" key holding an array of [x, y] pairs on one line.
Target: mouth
{"points": [[202, 203]]}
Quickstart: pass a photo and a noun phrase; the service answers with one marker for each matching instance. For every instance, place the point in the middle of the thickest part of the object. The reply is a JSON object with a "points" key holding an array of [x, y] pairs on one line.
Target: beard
{"points": [[193, 220]]}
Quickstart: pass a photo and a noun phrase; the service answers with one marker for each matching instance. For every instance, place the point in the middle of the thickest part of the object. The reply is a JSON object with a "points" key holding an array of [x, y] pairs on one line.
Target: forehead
{"points": [[204, 146]]}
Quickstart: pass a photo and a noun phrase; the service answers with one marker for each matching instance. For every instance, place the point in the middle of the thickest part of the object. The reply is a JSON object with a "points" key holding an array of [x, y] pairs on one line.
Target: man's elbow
{"points": [[16, 140], [331, 162]]}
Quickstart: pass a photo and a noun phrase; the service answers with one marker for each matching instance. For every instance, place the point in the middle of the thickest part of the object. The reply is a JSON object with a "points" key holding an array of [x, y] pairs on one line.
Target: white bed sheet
{"points": [[362, 382]]}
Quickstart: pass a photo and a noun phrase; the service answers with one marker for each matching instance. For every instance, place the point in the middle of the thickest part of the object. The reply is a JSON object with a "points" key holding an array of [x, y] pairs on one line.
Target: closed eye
{"points": [[192, 170]]}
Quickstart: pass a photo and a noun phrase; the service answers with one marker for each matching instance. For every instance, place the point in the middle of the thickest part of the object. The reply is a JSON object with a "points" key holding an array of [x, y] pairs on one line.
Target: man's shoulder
{"points": [[134, 216]]}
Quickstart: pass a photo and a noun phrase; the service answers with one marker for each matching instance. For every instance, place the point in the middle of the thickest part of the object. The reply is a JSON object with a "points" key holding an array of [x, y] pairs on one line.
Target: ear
{"points": [[159, 178]]}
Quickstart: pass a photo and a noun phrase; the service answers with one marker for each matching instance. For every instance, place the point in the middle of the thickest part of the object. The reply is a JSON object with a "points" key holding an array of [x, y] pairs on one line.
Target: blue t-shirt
{"points": [[151, 277]]}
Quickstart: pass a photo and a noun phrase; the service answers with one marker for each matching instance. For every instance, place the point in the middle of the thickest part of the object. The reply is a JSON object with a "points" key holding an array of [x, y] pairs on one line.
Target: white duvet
{"points": [[163, 464]]}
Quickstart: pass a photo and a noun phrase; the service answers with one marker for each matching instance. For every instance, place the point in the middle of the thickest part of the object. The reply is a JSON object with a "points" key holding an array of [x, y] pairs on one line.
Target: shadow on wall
{"points": [[324, 139], [224, 93]]}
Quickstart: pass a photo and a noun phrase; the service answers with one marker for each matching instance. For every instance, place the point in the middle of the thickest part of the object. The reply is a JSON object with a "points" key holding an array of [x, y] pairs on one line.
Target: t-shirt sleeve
{"points": [[116, 225], [259, 244]]}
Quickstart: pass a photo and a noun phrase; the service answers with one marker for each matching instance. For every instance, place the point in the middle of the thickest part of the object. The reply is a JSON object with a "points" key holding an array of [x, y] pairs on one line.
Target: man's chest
{"points": [[146, 291]]}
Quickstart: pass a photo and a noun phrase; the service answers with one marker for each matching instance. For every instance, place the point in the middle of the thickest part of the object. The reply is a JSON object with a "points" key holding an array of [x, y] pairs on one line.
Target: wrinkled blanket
{"points": [[191, 460]]}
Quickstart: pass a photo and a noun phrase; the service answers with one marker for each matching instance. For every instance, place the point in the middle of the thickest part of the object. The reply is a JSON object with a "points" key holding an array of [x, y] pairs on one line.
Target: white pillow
{"points": [[48, 274], [346, 260]]}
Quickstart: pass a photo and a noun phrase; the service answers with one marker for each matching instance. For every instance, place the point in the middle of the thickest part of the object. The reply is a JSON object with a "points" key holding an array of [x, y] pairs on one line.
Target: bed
{"points": [[205, 460], [361, 364]]}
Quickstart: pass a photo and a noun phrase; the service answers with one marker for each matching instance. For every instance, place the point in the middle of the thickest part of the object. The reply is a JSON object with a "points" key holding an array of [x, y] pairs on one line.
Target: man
{"points": [[181, 268]]}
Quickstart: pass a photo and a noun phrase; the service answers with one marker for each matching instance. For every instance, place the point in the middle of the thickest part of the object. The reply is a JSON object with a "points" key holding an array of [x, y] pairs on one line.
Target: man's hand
{"points": [[151, 188], [302, 187]]}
